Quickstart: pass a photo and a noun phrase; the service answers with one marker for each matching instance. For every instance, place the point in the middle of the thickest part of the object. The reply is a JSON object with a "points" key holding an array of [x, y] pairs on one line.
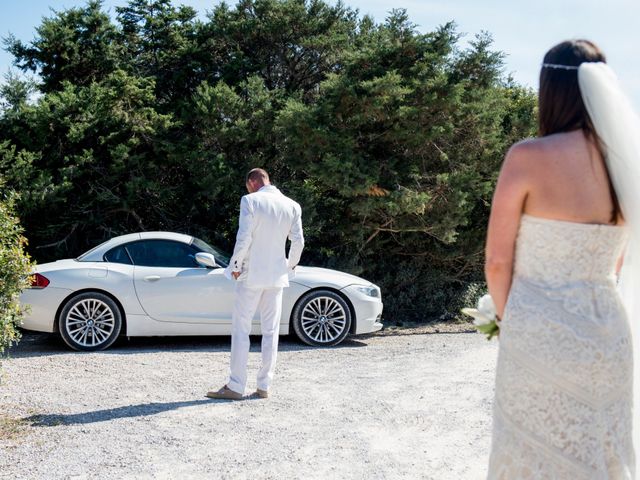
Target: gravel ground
{"points": [[384, 406]]}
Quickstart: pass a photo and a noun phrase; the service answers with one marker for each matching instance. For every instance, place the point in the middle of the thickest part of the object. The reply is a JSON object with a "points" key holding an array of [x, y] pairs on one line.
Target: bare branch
{"points": [[60, 242], [132, 213]]}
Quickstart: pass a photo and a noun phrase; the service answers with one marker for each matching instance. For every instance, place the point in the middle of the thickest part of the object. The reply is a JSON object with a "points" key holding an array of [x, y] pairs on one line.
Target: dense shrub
{"points": [[390, 139], [14, 271]]}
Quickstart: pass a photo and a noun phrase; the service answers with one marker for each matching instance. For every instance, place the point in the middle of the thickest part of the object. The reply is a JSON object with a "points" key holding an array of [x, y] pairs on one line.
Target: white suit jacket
{"points": [[267, 219]]}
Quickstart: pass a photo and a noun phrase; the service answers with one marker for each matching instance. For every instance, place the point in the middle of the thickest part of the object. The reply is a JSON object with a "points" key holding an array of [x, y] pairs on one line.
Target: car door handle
{"points": [[152, 278]]}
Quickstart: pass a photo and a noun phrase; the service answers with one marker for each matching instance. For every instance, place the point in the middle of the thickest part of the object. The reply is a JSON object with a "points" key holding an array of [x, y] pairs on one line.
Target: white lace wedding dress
{"points": [[564, 377]]}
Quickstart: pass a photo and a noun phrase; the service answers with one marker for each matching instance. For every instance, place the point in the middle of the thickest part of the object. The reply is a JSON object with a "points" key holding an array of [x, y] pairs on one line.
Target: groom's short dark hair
{"points": [[258, 174]]}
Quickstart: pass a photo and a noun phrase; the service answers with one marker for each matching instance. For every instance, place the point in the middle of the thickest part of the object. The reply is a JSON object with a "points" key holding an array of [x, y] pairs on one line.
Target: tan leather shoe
{"points": [[225, 393], [262, 393]]}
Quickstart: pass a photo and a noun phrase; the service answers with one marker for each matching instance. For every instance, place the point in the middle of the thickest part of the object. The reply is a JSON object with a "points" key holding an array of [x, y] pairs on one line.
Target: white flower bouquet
{"points": [[485, 317]]}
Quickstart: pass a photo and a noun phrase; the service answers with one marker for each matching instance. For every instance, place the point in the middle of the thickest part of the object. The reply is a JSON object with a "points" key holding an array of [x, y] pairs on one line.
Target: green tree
{"points": [[159, 41], [90, 165], [291, 44], [391, 139], [76, 46], [403, 147]]}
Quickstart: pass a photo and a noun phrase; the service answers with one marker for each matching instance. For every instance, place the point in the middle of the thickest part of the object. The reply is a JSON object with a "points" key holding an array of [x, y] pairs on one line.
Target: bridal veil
{"points": [[618, 128]]}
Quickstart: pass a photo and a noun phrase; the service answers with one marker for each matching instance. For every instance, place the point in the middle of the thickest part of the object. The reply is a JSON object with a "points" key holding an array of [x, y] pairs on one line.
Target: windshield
{"points": [[221, 257]]}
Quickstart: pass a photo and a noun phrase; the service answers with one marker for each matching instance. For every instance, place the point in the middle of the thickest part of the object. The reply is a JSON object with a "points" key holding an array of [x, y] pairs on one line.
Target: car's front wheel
{"points": [[90, 321], [321, 318]]}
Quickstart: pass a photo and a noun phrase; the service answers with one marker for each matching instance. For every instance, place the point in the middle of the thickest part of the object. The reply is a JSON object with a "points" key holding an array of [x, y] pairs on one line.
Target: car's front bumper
{"points": [[42, 305], [369, 325], [368, 310]]}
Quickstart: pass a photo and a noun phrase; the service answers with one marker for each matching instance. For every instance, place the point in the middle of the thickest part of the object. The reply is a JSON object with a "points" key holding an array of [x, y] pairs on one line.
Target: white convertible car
{"points": [[162, 283]]}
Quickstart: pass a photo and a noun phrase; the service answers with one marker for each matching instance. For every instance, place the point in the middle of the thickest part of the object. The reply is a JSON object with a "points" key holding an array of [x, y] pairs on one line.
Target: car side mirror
{"points": [[206, 260]]}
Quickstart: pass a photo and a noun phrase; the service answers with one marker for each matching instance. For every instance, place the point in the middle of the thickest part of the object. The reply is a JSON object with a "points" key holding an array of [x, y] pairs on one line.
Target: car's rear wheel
{"points": [[321, 318], [90, 321]]}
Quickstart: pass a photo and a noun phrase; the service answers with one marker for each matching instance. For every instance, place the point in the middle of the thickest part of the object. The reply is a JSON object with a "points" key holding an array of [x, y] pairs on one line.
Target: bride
{"points": [[566, 210]]}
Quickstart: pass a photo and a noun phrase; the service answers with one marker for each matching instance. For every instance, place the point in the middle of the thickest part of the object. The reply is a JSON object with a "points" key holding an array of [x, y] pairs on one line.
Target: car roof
{"points": [[97, 254]]}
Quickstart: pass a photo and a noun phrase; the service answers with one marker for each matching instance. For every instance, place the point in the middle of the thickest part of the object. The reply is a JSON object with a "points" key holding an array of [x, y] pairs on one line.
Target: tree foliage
{"points": [[14, 270], [390, 139]]}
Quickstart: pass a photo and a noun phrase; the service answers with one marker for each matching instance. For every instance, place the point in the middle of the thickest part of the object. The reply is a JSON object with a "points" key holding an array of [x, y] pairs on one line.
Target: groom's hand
{"points": [[235, 275]]}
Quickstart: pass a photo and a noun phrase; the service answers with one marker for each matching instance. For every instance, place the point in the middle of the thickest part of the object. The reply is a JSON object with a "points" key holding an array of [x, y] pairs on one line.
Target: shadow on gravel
{"points": [[129, 411], [47, 344], [403, 332]]}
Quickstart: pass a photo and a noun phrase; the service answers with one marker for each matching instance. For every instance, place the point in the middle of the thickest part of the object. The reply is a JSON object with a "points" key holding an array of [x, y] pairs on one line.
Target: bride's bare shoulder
{"points": [[536, 146], [555, 143], [520, 154], [536, 152]]}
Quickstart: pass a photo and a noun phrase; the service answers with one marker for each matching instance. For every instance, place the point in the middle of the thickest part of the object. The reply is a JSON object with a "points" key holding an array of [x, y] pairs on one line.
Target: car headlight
{"points": [[370, 291]]}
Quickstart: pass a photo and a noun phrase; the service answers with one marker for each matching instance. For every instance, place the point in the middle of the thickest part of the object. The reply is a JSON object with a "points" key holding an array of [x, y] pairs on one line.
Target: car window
{"points": [[118, 255], [82, 257], [162, 253]]}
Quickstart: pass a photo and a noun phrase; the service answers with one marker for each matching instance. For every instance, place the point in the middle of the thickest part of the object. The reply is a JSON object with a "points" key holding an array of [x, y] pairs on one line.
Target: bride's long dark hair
{"points": [[560, 105]]}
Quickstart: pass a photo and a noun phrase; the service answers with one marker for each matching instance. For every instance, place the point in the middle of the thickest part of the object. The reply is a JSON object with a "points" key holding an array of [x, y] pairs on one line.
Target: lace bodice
{"points": [[555, 252]]}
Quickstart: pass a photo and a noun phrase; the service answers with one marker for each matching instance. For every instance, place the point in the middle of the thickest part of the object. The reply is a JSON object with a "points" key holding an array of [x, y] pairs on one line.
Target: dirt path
{"points": [[378, 407]]}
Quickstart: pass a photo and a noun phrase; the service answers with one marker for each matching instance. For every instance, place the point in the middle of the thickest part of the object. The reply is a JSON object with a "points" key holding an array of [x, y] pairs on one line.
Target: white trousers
{"points": [[268, 302]]}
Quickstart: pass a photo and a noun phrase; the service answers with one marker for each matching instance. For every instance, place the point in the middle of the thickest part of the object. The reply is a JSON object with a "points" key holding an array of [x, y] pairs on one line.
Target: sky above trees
{"points": [[524, 30]]}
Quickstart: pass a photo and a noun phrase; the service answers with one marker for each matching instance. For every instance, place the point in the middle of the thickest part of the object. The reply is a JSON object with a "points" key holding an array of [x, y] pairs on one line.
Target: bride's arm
{"points": [[506, 209]]}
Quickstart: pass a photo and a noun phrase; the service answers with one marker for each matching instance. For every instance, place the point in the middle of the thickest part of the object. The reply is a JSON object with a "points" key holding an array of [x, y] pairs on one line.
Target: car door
{"points": [[172, 287]]}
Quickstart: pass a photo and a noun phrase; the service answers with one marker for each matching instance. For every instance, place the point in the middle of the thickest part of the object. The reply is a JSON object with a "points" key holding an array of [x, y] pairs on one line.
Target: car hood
{"points": [[314, 277]]}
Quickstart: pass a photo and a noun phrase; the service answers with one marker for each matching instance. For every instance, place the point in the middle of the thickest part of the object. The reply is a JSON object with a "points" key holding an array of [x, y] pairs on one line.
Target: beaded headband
{"points": [[560, 67]]}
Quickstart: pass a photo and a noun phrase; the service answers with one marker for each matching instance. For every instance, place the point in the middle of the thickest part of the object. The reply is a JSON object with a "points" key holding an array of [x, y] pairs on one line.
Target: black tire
{"points": [[90, 321], [321, 318]]}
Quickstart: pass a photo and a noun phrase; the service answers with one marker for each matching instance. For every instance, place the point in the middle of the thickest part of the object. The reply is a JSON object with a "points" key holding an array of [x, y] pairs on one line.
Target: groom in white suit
{"points": [[261, 269]]}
